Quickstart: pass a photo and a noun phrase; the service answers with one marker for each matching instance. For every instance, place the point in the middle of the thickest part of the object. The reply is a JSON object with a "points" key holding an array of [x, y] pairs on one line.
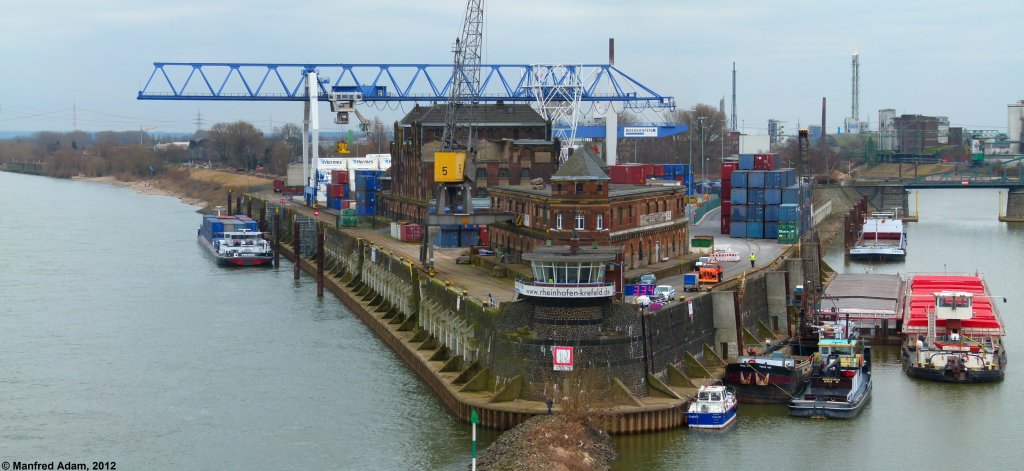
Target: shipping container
{"points": [[755, 179], [766, 161], [335, 190], [755, 230], [726, 186], [726, 208], [347, 221], [485, 238], [627, 174], [726, 221], [789, 233], [738, 213], [746, 162], [738, 229], [771, 213], [755, 213], [659, 170], [728, 167], [755, 195], [334, 203], [791, 195], [789, 213], [738, 195], [739, 179], [774, 179], [771, 230], [348, 212], [789, 177], [339, 177], [773, 196], [411, 233]]}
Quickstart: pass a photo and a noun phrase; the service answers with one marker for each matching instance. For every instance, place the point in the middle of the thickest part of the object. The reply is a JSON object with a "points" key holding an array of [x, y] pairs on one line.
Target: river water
{"points": [[121, 340]]}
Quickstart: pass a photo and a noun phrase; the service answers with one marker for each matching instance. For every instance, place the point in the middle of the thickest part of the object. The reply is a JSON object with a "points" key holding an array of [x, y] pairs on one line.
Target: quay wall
{"points": [[498, 360]]}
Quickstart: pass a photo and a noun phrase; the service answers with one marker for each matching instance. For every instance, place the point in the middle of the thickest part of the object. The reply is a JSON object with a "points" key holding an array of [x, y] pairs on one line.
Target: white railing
{"points": [[819, 214]]}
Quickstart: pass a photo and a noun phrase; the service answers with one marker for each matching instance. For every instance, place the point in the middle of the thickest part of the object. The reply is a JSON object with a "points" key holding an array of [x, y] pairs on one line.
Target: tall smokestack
{"points": [[855, 83], [824, 130], [733, 124], [611, 51]]}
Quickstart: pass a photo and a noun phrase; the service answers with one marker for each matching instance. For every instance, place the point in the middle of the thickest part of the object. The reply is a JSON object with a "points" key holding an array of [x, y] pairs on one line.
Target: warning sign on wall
{"points": [[562, 358]]}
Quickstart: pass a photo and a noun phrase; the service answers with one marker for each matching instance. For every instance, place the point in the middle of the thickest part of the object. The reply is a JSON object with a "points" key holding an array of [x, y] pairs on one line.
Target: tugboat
{"points": [[774, 377], [952, 330], [840, 382], [715, 408], [234, 240], [882, 237]]}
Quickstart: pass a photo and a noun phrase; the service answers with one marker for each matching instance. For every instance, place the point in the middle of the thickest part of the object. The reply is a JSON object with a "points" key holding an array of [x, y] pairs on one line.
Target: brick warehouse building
{"points": [[512, 142], [648, 222]]}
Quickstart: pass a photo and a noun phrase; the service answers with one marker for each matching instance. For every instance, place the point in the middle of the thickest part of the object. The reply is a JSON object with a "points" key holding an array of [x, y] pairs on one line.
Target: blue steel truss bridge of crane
{"points": [[386, 83]]}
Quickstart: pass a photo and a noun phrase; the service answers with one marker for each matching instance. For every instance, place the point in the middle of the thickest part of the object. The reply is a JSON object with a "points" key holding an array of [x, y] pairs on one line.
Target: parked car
{"points": [[463, 259], [703, 261], [648, 279], [664, 294]]}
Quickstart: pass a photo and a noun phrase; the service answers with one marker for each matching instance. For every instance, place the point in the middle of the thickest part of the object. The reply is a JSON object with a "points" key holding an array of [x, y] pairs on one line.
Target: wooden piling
{"points": [[298, 246], [319, 261]]}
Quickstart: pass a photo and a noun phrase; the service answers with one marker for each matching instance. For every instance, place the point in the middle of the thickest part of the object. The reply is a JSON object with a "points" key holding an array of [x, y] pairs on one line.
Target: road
{"points": [[765, 250]]}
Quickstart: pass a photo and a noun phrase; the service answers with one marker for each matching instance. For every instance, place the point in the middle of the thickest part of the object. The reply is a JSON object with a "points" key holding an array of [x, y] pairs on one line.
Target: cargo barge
{"points": [[952, 330], [774, 377], [882, 237], [234, 240]]}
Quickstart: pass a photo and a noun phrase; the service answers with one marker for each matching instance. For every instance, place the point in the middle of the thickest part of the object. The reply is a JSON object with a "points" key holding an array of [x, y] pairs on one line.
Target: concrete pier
{"points": [[1014, 206]]}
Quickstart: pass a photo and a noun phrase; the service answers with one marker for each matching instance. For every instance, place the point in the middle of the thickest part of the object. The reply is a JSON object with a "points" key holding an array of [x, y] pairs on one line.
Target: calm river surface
{"points": [[120, 340]]}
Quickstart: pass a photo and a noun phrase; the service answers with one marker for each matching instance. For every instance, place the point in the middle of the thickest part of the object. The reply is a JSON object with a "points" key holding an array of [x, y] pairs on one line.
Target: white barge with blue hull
{"points": [[714, 408], [882, 237], [840, 382]]}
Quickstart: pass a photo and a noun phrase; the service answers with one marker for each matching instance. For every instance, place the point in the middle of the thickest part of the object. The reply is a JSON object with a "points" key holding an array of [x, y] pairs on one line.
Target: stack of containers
{"points": [[367, 183], [631, 174], [728, 167], [347, 218], [789, 223], [756, 195], [458, 235], [335, 195]]}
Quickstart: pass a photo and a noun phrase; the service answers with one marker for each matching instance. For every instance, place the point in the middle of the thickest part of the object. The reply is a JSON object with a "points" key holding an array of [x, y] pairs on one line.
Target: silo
{"points": [[1014, 125], [887, 129]]}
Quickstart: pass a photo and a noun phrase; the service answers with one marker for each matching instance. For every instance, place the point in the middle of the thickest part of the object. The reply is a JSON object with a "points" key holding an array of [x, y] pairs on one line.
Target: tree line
{"points": [[131, 154]]}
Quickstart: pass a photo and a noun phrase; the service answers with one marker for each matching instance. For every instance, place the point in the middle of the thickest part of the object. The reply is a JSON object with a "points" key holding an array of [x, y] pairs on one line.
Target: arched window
{"points": [[524, 172]]}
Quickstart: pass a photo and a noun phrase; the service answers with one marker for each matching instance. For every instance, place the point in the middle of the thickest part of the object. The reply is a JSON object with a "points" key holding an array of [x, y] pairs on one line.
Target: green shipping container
{"points": [[789, 233], [347, 221]]}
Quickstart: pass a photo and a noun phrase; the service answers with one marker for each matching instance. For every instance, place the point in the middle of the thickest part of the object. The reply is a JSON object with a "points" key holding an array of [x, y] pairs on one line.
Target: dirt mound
{"points": [[549, 443]]}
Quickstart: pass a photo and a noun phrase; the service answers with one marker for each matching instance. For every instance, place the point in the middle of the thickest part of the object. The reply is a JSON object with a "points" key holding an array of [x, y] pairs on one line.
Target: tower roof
{"points": [[580, 166]]}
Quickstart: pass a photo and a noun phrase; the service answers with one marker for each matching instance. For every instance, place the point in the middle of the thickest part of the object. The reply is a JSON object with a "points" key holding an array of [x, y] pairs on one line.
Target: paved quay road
{"points": [[765, 250]]}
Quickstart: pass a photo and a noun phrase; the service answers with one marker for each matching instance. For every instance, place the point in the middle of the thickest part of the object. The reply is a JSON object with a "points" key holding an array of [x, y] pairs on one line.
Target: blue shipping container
{"points": [[746, 161], [755, 196], [755, 179], [774, 179], [771, 213], [755, 213], [738, 213], [771, 230], [791, 195], [739, 196], [773, 196], [789, 213], [791, 177], [739, 179], [755, 230], [737, 229]]}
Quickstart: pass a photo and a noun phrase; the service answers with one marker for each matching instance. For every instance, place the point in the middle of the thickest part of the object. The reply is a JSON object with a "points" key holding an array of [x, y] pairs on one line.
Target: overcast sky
{"points": [[956, 59]]}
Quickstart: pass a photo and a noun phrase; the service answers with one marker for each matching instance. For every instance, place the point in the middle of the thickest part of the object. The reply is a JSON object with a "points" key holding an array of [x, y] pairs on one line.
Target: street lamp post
{"points": [[700, 120]]}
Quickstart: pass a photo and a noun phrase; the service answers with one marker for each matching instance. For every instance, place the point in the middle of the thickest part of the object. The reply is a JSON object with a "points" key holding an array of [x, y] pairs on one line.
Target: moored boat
{"points": [[714, 408], [774, 377], [840, 383], [882, 237], [952, 330], [234, 240]]}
